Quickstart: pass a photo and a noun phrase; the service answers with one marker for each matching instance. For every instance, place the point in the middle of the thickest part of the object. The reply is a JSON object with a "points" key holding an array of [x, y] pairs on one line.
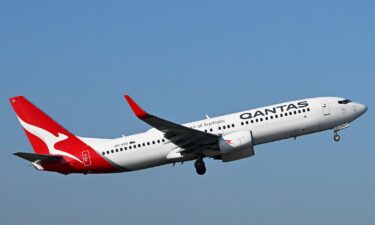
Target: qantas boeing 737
{"points": [[227, 138]]}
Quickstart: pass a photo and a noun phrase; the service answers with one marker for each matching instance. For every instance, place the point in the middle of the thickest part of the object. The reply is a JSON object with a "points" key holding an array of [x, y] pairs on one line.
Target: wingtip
{"points": [[18, 154], [138, 111]]}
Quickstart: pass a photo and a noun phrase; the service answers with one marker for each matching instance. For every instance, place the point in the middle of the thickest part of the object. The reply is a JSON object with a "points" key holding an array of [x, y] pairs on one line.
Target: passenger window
{"points": [[112, 151], [130, 147], [247, 122], [299, 111], [159, 141], [252, 121], [126, 148], [107, 152], [139, 145], [257, 120], [290, 113], [121, 149], [261, 119], [266, 118], [103, 153], [232, 125], [242, 123], [211, 130], [308, 109], [219, 128], [143, 144], [153, 142], [281, 115]]}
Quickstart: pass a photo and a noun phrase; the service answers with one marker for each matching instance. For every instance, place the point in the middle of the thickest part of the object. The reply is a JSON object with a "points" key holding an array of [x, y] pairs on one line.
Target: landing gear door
{"points": [[325, 107]]}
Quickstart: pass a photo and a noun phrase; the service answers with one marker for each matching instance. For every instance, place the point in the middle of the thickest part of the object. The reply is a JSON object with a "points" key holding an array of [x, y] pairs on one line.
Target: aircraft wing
{"points": [[191, 140]]}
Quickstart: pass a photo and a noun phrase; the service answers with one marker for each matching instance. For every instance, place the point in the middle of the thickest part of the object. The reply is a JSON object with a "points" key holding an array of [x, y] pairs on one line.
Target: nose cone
{"points": [[364, 109], [361, 109]]}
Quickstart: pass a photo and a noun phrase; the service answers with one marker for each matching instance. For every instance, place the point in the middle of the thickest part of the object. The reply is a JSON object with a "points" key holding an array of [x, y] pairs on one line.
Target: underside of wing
{"points": [[188, 139]]}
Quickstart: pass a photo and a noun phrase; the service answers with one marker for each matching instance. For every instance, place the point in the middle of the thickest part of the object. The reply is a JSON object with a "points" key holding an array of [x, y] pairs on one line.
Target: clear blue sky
{"points": [[182, 60]]}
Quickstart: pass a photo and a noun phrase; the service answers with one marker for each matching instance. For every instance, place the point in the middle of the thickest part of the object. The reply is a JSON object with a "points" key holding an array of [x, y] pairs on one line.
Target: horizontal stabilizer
{"points": [[38, 157]]}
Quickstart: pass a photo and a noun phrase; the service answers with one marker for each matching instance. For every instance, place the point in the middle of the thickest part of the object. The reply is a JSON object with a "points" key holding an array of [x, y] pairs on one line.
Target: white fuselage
{"points": [[267, 124]]}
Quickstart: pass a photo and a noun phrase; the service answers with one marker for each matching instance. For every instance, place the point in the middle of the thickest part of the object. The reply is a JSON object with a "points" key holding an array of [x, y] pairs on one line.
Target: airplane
{"points": [[227, 138]]}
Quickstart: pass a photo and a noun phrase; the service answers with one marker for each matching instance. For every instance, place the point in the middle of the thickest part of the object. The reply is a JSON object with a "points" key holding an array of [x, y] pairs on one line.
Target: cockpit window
{"points": [[344, 102]]}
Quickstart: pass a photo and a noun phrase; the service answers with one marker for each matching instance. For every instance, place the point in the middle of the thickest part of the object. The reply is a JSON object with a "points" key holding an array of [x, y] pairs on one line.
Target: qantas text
{"points": [[274, 110]]}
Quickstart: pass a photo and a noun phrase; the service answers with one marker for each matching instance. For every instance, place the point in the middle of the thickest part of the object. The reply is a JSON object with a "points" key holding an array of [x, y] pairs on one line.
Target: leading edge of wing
{"points": [[176, 133]]}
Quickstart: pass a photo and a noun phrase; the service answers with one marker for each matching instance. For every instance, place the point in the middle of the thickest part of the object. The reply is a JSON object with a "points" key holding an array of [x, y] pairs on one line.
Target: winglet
{"points": [[138, 111]]}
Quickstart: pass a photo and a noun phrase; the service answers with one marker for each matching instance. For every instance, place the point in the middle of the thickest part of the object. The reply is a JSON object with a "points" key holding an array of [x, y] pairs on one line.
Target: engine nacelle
{"points": [[236, 146]]}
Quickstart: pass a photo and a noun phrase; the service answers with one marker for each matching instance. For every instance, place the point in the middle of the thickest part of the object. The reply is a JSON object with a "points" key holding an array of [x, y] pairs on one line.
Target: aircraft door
{"points": [[326, 109], [86, 158]]}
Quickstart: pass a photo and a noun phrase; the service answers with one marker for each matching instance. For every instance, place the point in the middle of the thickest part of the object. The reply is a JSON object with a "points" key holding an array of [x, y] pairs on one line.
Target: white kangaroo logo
{"points": [[48, 138]]}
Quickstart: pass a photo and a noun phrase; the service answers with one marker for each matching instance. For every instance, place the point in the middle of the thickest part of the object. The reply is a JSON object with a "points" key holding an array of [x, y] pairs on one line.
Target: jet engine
{"points": [[236, 146]]}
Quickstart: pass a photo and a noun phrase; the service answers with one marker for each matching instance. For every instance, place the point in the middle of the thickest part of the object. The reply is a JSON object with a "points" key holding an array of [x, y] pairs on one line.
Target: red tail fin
{"points": [[45, 135], [42, 131], [48, 137]]}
